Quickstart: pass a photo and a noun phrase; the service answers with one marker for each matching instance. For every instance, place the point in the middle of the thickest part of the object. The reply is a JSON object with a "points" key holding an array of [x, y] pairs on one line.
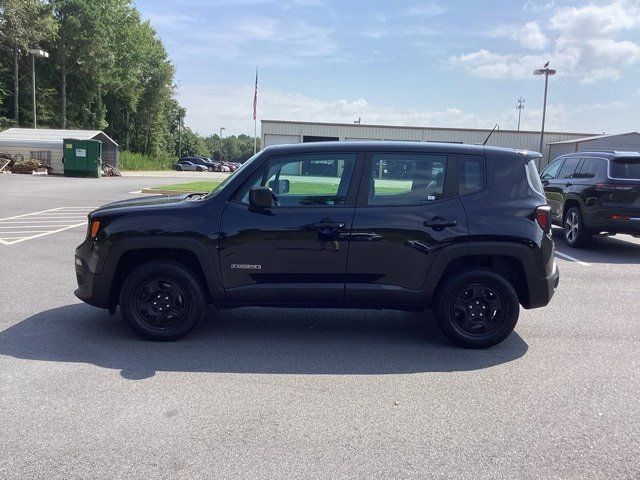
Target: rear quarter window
{"points": [[471, 174], [627, 168], [533, 177]]}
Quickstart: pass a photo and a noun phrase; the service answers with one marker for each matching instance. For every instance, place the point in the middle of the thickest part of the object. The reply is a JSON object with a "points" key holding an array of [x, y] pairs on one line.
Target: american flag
{"points": [[255, 97]]}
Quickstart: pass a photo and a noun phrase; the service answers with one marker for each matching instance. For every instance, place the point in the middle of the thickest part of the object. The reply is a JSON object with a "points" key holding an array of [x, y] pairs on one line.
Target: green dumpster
{"points": [[82, 158]]}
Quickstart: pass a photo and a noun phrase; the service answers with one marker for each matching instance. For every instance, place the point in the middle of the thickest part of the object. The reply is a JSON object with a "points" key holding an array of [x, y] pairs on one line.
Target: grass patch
{"points": [[297, 188], [197, 187], [141, 162]]}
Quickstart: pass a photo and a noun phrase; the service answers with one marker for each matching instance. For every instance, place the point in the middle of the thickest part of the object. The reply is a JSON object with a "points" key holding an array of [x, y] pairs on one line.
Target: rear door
{"points": [[407, 211]]}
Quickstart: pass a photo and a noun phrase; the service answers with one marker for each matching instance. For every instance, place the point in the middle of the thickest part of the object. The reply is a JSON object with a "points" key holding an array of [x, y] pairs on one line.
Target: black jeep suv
{"points": [[462, 229], [594, 192]]}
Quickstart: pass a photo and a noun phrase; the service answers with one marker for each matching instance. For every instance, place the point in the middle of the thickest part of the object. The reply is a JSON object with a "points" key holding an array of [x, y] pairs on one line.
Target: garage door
{"points": [[270, 139]]}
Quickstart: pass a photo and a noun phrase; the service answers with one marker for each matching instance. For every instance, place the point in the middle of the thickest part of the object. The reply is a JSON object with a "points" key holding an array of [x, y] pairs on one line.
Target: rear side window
{"points": [[471, 177], [406, 178], [590, 168], [569, 167], [627, 168]]}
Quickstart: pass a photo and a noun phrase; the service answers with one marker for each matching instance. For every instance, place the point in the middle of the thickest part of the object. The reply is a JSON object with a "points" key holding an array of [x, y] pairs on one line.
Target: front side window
{"points": [[406, 179], [306, 179], [551, 171]]}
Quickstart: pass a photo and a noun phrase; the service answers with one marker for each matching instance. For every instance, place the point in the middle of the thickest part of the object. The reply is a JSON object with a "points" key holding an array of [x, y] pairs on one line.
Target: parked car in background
{"points": [[187, 165], [464, 230], [203, 161], [594, 193]]}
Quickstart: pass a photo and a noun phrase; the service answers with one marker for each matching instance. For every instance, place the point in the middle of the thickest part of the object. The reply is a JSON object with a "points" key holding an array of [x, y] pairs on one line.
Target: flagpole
{"points": [[255, 115]]}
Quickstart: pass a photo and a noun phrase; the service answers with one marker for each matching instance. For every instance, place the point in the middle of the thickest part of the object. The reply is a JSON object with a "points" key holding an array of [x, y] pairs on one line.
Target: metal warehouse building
{"points": [[275, 132], [45, 144], [626, 142]]}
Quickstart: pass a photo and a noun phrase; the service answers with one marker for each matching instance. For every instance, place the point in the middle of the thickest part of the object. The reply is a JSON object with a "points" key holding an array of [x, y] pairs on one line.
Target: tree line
{"points": [[107, 70]]}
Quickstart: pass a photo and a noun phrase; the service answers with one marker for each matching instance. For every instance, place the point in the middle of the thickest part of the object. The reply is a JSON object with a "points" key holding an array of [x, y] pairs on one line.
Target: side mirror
{"points": [[261, 197], [280, 186]]}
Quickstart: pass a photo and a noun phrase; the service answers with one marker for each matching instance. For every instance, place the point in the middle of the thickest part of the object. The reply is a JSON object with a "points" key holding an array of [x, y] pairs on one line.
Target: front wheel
{"points": [[477, 309], [575, 232], [210, 169], [162, 300]]}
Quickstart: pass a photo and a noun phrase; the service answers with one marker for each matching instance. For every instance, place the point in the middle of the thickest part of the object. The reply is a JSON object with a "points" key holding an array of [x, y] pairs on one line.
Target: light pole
{"points": [[221, 144], [520, 107], [35, 52], [546, 71]]}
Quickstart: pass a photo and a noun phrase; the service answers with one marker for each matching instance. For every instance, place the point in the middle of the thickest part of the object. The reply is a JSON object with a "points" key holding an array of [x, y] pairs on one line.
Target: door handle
{"points": [[545, 182], [438, 223], [569, 184], [328, 225]]}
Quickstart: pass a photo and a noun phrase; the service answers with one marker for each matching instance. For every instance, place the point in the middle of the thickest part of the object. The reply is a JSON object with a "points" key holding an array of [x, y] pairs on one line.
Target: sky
{"points": [[456, 63]]}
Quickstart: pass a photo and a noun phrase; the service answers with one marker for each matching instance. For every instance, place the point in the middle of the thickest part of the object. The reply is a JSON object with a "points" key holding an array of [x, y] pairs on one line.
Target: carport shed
{"points": [[624, 142], [46, 145]]}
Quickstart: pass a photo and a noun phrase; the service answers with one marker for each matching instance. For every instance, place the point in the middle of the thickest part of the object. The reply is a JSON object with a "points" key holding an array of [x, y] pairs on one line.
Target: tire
{"points": [[210, 169], [178, 169], [575, 232], [473, 294], [170, 282], [199, 169]]}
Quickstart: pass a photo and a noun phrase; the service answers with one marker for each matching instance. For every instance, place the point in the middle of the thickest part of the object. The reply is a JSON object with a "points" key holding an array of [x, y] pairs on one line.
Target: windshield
{"points": [[219, 187], [627, 168]]}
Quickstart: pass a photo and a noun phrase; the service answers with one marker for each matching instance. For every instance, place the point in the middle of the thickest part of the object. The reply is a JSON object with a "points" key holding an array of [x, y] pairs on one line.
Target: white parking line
{"points": [[569, 257], [28, 226]]}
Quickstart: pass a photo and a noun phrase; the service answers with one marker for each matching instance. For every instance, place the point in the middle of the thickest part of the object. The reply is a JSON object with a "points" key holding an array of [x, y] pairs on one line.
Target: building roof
{"points": [[409, 127], [594, 137], [23, 135]]}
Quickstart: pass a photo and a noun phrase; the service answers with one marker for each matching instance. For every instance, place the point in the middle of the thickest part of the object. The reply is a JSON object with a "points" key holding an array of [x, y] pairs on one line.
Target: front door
{"points": [[408, 209], [553, 189], [295, 252]]}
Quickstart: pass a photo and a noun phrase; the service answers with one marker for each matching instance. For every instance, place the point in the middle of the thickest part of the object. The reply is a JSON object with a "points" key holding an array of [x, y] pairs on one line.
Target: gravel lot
{"points": [[258, 393]]}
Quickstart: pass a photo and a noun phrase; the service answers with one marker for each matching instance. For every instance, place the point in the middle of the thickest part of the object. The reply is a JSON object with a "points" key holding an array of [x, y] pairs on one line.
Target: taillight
{"points": [[622, 218], [543, 218], [94, 228], [612, 187]]}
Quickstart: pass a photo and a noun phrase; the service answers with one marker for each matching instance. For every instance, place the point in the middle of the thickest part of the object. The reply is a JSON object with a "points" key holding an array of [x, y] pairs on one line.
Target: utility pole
{"points": [[520, 107], [546, 71]]}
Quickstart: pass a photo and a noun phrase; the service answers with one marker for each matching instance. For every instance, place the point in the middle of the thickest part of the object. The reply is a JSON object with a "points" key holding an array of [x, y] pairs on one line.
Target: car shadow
{"points": [[254, 340], [621, 249]]}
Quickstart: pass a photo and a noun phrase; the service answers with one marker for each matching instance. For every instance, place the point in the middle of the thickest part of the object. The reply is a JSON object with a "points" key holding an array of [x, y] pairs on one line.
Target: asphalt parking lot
{"points": [[257, 393]]}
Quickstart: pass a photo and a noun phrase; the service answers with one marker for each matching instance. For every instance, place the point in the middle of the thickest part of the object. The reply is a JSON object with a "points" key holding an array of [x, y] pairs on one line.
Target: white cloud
{"points": [[531, 36], [537, 6], [585, 44]]}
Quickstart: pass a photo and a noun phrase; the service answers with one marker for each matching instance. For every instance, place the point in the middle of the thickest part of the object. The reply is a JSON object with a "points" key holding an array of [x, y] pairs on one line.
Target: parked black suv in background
{"points": [[462, 229], [594, 192]]}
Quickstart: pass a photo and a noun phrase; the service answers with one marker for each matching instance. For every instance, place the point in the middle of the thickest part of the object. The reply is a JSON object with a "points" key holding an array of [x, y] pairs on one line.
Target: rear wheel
{"points": [[575, 232], [477, 309], [162, 300], [199, 169], [210, 169], [178, 168]]}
